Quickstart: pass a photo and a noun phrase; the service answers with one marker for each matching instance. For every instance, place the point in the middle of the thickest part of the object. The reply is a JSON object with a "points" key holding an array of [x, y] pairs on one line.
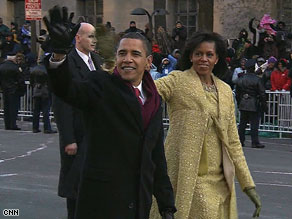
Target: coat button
{"points": [[131, 205]]}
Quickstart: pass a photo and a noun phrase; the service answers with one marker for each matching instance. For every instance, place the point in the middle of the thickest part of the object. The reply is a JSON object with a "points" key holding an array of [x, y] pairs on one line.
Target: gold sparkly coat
{"points": [[188, 116]]}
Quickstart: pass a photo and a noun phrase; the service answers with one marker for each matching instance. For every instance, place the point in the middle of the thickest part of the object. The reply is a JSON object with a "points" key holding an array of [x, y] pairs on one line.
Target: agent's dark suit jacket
{"points": [[71, 130], [124, 165]]}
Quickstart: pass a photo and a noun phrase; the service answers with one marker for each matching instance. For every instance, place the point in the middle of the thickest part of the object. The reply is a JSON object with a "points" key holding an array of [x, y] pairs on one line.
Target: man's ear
{"points": [[149, 60], [77, 37]]}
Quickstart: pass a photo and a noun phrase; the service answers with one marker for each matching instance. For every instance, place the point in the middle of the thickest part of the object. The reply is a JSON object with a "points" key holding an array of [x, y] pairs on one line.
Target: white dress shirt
{"points": [[142, 95], [85, 58]]}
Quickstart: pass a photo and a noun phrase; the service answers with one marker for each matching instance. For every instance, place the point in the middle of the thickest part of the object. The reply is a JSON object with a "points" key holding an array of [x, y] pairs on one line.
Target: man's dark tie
{"points": [[137, 93]]}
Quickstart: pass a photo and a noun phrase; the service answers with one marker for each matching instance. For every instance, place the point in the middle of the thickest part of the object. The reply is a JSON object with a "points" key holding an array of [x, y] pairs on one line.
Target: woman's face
{"points": [[204, 58], [281, 67]]}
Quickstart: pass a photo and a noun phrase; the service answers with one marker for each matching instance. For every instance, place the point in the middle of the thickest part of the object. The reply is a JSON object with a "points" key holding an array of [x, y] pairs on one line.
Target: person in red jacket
{"points": [[279, 77]]}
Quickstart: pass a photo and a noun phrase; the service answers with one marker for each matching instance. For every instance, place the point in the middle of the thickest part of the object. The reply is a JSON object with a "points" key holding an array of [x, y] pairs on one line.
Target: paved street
{"points": [[29, 167]]}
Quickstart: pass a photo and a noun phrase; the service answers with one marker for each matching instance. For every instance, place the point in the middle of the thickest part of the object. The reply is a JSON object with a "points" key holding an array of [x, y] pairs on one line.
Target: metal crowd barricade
{"points": [[277, 120], [279, 116], [26, 103]]}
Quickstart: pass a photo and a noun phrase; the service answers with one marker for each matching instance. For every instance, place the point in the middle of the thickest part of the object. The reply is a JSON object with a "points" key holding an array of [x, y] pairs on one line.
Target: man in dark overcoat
{"points": [[251, 101], [12, 84], [125, 162], [82, 59]]}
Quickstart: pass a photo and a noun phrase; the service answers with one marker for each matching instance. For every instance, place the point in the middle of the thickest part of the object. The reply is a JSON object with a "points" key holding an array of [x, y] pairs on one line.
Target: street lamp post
{"points": [[142, 11]]}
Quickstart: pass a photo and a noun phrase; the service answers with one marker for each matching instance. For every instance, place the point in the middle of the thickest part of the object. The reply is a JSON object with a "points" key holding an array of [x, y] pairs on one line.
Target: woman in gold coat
{"points": [[202, 146]]}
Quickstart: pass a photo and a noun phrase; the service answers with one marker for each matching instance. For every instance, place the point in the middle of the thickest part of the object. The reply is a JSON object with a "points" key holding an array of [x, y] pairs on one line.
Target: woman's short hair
{"points": [[220, 68]]}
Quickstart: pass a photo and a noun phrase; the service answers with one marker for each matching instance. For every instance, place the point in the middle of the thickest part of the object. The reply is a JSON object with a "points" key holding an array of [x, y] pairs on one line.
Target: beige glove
{"points": [[254, 197]]}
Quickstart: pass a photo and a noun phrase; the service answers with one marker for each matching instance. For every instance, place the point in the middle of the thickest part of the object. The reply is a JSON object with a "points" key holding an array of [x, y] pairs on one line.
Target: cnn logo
{"points": [[11, 212]]}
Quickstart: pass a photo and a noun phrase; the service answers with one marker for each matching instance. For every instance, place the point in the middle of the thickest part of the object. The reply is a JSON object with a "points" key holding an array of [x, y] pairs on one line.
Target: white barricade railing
{"points": [[26, 104], [279, 116], [278, 119]]}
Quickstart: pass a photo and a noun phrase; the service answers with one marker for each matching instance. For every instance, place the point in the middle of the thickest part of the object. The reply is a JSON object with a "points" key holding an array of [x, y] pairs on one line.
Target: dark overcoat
{"points": [[71, 130], [125, 164]]}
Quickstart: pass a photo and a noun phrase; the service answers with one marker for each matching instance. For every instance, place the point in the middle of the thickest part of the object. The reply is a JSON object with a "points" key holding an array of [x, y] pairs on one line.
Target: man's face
{"points": [[271, 65], [178, 25], [132, 60], [19, 60], [9, 38], [177, 55], [86, 40], [132, 25]]}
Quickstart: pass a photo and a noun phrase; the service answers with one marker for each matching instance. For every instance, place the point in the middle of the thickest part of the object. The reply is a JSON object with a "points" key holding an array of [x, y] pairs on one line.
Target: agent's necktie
{"points": [[91, 66]]}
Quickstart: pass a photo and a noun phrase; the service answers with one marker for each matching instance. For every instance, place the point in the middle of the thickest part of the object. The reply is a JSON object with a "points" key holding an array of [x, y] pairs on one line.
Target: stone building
{"points": [[226, 17]]}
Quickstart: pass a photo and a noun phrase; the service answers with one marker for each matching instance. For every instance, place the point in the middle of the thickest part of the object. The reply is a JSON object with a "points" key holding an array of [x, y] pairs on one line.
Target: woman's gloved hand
{"points": [[254, 197]]}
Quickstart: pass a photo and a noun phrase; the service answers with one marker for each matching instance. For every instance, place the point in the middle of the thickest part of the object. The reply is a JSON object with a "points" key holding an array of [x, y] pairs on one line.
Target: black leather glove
{"points": [[167, 215], [61, 32]]}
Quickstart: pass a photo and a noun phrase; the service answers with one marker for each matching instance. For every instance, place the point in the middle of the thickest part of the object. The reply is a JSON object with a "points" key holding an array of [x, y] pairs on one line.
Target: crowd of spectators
{"points": [[269, 46], [17, 65]]}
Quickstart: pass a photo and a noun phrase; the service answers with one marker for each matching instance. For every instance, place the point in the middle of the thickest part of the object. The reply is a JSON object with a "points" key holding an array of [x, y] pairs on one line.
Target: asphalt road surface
{"points": [[29, 168]]}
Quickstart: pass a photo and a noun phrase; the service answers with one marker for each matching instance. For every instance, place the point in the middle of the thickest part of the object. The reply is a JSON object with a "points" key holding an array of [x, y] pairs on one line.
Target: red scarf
{"points": [[152, 103]]}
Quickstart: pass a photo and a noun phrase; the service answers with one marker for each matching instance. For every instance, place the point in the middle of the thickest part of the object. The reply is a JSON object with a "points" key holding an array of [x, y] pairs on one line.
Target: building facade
{"points": [[226, 17]]}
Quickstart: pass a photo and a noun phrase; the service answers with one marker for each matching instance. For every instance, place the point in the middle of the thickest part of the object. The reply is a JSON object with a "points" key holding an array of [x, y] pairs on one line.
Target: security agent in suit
{"points": [[11, 83], [82, 59], [251, 101], [125, 161]]}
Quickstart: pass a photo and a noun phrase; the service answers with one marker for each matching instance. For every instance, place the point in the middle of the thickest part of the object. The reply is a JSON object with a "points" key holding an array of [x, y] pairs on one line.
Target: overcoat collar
{"points": [[130, 99], [199, 88], [80, 64]]}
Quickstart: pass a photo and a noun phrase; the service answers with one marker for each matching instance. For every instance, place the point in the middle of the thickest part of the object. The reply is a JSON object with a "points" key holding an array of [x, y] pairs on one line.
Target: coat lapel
{"points": [[220, 95], [80, 65], [199, 88], [96, 60], [201, 101], [130, 99]]}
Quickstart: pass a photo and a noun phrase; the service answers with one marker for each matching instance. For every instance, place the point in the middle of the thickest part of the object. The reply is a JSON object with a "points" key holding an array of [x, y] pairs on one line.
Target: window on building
{"points": [[99, 11], [186, 12], [94, 11]]}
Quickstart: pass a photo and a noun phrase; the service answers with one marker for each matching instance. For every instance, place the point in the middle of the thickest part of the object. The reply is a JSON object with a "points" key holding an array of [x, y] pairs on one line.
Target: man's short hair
{"points": [[138, 36], [132, 22]]}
